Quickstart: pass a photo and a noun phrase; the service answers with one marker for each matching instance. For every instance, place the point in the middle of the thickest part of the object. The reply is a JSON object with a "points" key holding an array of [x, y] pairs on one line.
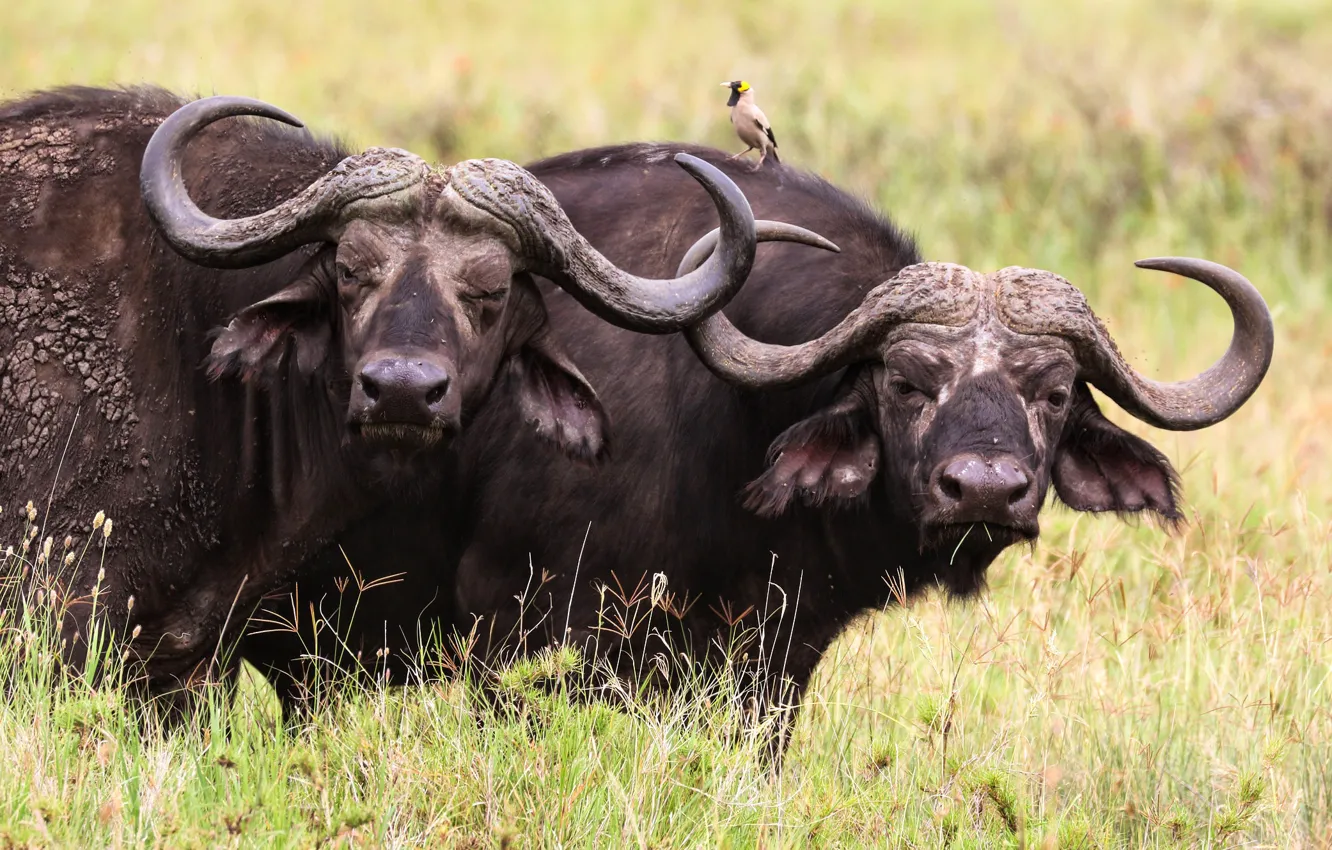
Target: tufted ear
{"points": [[830, 456], [553, 395], [256, 337], [1099, 466]]}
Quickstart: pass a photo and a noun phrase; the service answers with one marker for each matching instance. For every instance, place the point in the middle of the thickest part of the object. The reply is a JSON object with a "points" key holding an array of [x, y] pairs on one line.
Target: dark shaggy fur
{"points": [[729, 494]]}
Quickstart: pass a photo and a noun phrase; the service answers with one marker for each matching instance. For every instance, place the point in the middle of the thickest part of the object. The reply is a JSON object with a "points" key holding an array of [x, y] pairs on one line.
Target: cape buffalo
{"points": [[232, 398], [899, 429]]}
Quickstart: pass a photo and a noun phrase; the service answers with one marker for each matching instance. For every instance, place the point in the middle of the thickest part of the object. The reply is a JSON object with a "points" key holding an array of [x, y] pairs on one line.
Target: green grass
{"points": [[1117, 687]]}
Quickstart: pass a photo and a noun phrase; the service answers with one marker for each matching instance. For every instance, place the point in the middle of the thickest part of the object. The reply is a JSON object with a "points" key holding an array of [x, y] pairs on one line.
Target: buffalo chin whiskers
{"points": [[425, 435]]}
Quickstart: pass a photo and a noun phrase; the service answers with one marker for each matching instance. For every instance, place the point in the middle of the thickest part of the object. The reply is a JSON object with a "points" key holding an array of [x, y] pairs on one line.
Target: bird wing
{"points": [[761, 121]]}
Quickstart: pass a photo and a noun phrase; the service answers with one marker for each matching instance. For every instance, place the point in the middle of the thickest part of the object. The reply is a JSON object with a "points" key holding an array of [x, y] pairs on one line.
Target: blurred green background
{"points": [[1003, 132]]}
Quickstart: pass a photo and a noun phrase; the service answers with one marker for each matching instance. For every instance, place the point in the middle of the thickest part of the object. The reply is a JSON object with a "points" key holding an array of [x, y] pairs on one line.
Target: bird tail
{"points": [[773, 153]]}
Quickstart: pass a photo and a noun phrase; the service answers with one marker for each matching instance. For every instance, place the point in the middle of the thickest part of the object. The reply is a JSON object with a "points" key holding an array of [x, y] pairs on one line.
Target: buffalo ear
{"points": [[256, 338], [557, 400], [1099, 466], [832, 455], [553, 396]]}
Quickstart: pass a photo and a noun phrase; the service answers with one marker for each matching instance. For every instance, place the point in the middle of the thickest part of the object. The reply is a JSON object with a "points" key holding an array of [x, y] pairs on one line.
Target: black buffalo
{"points": [[898, 430], [233, 398]]}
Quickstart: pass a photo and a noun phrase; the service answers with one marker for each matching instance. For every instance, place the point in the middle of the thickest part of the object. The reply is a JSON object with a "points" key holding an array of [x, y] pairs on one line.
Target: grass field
{"points": [[1117, 687]]}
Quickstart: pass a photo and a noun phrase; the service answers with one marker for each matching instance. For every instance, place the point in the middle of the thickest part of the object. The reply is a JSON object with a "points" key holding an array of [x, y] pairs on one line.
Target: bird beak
{"points": [[726, 85]]}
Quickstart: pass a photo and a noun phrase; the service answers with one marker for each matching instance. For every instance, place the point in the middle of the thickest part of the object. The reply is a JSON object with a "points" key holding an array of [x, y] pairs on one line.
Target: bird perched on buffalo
{"points": [[751, 125]]}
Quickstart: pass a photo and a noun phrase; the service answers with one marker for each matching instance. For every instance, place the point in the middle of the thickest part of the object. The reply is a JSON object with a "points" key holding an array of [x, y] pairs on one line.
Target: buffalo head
{"points": [[966, 396], [422, 291]]}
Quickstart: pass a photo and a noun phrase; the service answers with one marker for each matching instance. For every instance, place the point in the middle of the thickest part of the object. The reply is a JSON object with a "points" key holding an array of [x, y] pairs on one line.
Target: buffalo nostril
{"points": [[951, 487], [435, 393], [370, 388], [1021, 487]]}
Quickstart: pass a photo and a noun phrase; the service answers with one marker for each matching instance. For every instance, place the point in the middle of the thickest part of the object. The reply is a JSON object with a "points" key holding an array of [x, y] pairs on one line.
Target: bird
{"points": [[751, 125]]}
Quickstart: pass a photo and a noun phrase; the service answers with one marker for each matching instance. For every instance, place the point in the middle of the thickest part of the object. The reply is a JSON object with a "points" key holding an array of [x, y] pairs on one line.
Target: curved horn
{"points": [[1219, 391], [311, 216], [547, 242], [766, 231], [932, 293], [749, 363]]}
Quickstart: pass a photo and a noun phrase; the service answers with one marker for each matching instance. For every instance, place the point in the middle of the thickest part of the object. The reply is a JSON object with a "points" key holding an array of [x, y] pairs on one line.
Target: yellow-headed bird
{"points": [[751, 125]]}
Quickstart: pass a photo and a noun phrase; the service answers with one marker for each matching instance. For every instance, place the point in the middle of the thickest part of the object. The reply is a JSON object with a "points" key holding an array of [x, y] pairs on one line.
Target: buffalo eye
{"points": [[1057, 399], [483, 306], [485, 296], [348, 281], [905, 389]]}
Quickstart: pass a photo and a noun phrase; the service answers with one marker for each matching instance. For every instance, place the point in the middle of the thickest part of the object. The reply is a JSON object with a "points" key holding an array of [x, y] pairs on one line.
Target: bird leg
{"points": [[762, 156], [738, 155]]}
